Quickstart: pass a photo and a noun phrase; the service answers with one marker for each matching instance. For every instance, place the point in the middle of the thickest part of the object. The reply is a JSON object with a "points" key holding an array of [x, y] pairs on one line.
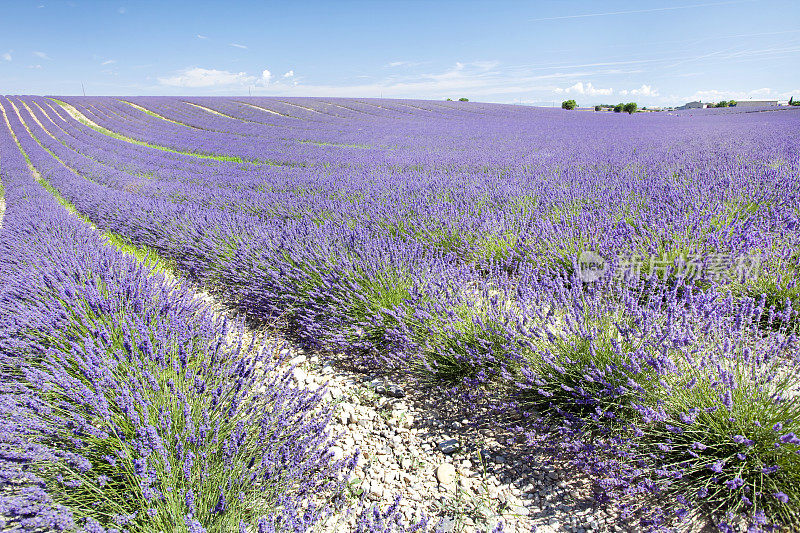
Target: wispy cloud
{"points": [[472, 79], [237, 45], [477, 80], [7, 55], [199, 36], [35, 66], [41, 55], [122, 10], [636, 11], [109, 62], [396, 64]]}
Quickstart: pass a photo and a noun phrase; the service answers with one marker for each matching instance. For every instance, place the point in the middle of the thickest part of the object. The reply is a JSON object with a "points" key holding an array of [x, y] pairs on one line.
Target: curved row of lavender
{"points": [[485, 137], [124, 406], [680, 390]]}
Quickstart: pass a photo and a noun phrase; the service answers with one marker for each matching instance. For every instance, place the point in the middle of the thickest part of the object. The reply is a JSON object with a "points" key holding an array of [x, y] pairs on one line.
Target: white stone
{"points": [[338, 453], [445, 473]]}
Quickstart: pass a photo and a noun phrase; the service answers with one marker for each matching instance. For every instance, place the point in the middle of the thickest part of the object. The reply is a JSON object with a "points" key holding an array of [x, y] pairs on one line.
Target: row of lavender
{"points": [[747, 203], [675, 393], [124, 406], [493, 137]]}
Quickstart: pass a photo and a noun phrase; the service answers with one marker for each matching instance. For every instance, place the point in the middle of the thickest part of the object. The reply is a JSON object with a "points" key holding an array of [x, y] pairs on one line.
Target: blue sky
{"points": [[655, 53]]}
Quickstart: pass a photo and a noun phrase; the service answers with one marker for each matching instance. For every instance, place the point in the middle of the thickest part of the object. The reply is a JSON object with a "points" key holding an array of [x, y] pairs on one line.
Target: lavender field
{"points": [[620, 291]]}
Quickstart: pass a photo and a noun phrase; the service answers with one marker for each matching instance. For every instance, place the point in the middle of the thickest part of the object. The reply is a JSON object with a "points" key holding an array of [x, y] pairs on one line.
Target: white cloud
{"points": [[484, 65], [201, 36], [41, 55], [588, 89], [35, 66], [644, 90], [266, 76], [109, 62], [202, 77], [122, 10], [7, 55], [237, 45], [395, 64], [289, 74]]}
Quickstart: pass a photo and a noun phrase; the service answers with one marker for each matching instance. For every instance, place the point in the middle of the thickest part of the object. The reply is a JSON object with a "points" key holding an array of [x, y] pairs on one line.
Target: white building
{"points": [[756, 103], [692, 105]]}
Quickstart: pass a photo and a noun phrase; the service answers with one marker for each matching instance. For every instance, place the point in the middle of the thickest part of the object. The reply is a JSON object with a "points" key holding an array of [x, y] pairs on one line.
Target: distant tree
{"points": [[568, 104], [791, 100], [598, 108], [449, 99], [723, 103], [731, 103], [630, 108], [462, 99], [619, 108]]}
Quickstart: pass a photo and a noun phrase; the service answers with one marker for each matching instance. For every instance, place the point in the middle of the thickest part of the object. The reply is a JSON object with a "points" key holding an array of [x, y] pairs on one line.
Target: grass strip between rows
{"points": [[144, 254], [105, 131]]}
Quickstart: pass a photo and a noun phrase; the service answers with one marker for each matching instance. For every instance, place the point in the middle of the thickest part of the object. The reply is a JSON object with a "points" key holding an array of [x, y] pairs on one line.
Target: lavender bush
{"points": [[125, 405]]}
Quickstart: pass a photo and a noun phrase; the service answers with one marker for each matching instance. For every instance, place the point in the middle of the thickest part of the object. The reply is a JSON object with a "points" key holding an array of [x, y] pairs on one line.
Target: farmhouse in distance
{"points": [[742, 103]]}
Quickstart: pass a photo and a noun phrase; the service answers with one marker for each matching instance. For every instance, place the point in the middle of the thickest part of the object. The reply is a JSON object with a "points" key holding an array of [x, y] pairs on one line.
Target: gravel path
{"points": [[416, 442]]}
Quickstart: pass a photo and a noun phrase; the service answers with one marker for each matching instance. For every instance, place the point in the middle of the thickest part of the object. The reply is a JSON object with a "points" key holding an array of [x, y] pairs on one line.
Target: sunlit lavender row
{"points": [[625, 285]]}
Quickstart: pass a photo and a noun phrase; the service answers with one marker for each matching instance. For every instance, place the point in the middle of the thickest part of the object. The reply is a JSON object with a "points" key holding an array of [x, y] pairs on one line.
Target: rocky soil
{"points": [[460, 470]]}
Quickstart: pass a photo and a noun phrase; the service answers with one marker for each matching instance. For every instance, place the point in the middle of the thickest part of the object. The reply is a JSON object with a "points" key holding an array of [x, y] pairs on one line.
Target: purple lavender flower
{"points": [[734, 483], [717, 467], [790, 438], [781, 497]]}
